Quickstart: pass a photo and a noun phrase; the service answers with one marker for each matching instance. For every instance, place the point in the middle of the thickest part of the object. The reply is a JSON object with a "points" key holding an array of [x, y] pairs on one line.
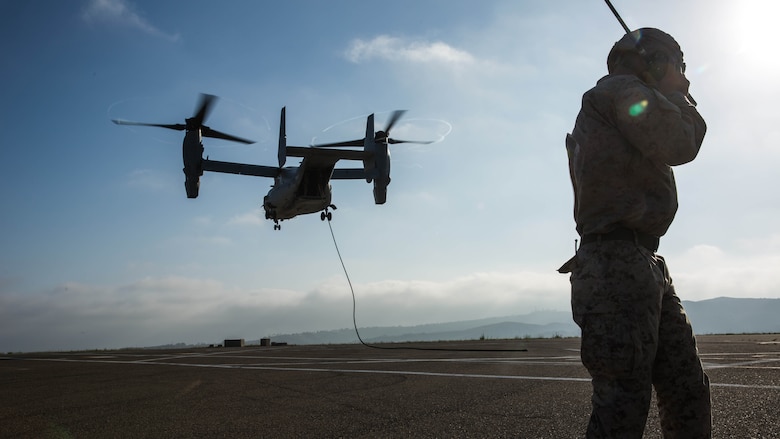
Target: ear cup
{"points": [[656, 65]]}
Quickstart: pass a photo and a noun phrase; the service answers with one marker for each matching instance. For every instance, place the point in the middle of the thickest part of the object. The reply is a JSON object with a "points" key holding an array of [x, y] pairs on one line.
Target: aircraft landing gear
{"points": [[326, 214], [270, 213]]}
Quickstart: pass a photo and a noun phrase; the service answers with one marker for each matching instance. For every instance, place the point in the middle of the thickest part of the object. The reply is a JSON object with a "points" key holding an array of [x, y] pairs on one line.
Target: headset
{"points": [[657, 62]]}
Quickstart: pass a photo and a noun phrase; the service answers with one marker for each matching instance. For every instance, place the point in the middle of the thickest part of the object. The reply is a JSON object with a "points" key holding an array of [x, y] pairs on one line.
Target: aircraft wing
{"points": [[333, 155], [349, 174], [240, 168]]}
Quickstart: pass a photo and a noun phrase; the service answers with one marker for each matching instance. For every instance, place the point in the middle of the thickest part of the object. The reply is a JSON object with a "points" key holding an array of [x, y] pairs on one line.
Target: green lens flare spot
{"points": [[638, 108]]}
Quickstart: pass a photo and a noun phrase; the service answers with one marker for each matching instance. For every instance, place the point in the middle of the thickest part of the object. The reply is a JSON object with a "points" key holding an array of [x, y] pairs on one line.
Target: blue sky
{"points": [[100, 248]]}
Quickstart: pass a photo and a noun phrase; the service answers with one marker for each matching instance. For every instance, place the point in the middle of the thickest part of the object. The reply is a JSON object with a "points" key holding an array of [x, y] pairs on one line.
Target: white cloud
{"points": [[152, 310], [395, 49], [706, 271], [158, 310], [120, 11], [166, 309]]}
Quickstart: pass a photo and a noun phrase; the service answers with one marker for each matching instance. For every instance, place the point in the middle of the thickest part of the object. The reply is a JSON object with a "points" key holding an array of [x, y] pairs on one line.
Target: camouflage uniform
{"points": [[635, 333]]}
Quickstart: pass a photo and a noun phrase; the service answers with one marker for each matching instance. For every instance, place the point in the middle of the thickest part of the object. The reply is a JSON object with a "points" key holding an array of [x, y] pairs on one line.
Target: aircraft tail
{"points": [[282, 153]]}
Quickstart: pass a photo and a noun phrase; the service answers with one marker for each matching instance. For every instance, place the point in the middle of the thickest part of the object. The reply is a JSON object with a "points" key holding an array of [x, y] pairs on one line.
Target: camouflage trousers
{"points": [[636, 337]]}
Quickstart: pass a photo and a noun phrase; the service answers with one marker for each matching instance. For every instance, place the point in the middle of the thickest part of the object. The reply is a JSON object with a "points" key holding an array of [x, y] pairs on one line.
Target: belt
{"points": [[649, 242]]}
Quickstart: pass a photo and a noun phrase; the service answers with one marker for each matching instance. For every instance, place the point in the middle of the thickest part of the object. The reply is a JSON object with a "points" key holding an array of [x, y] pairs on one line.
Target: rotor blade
{"points": [[177, 126], [393, 119], [419, 142], [204, 107], [358, 142], [281, 154], [208, 132]]}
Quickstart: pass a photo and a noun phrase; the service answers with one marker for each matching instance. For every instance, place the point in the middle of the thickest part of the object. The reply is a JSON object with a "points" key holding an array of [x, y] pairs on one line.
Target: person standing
{"points": [[633, 127]]}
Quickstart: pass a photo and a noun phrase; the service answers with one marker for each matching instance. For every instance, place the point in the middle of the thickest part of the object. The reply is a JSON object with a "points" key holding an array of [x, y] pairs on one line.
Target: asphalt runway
{"points": [[474, 390]]}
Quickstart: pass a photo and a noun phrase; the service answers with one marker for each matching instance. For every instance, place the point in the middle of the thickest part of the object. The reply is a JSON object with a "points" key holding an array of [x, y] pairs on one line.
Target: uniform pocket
{"points": [[608, 348], [569, 265]]}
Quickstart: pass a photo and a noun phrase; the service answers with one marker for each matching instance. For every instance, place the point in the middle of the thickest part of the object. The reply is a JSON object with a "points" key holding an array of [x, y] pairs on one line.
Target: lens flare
{"points": [[638, 108]]}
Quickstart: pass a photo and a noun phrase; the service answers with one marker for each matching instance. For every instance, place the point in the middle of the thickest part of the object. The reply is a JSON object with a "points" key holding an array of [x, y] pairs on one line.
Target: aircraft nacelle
{"points": [[192, 156], [381, 172], [380, 194], [376, 164]]}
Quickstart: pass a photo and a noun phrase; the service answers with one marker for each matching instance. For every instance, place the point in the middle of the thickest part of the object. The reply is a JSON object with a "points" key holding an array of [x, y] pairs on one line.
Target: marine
{"points": [[634, 126]]}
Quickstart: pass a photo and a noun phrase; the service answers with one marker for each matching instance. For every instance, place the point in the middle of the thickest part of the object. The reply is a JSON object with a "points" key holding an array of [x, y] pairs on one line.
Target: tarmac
{"points": [[472, 389]]}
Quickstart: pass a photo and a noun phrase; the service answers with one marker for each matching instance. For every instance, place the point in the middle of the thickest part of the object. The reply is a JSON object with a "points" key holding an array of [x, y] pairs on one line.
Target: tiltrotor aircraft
{"points": [[297, 190]]}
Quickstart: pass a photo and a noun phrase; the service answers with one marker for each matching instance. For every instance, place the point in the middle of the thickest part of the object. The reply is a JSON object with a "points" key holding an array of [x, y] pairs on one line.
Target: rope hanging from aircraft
{"points": [[416, 348]]}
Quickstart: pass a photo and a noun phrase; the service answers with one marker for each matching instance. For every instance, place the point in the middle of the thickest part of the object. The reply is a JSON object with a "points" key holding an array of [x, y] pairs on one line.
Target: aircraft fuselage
{"points": [[298, 191]]}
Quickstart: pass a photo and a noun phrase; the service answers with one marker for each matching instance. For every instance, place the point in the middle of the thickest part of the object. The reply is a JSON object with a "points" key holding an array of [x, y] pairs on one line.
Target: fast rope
{"points": [[357, 332]]}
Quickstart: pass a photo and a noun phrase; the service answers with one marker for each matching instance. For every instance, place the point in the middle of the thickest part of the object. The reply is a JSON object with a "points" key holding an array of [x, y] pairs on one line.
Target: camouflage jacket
{"points": [[626, 139]]}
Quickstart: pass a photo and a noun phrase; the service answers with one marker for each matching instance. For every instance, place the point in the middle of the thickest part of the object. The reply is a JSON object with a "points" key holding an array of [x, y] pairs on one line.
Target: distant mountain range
{"points": [[723, 315], [726, 315]]}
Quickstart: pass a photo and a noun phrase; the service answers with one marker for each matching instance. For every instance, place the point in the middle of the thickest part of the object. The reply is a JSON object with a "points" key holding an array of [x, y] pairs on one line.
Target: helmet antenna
{"points": [[628, 31], [634, 38]]}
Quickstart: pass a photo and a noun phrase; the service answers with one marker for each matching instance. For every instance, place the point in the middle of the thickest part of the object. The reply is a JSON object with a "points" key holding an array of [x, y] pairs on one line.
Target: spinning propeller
{"points": [[382, 136], [192, 147], [193, 123]]}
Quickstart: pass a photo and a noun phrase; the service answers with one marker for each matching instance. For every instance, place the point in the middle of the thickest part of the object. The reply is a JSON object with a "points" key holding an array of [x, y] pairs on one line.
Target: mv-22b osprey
{"points": [[296, 190]]}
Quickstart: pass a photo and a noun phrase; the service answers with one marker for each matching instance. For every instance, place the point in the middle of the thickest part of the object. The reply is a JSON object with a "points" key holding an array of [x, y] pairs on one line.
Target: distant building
{"points": [[234, 343]]}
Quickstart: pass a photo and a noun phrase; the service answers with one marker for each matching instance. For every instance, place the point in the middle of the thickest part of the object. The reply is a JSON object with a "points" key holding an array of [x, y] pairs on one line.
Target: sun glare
{"points": [[754, 37]]}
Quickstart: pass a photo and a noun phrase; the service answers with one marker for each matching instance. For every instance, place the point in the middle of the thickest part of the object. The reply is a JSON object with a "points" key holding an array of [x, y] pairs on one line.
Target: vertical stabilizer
{"points": [[282, 154]]}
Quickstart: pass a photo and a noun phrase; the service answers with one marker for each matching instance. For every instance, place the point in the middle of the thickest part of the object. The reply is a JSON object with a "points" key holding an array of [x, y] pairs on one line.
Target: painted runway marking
{"points": [[296, 366], [746, 386], [741, 364]]}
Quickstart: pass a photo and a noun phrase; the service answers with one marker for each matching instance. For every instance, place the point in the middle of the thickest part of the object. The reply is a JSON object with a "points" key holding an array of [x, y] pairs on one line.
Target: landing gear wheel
{"points": [[326, 214]]}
